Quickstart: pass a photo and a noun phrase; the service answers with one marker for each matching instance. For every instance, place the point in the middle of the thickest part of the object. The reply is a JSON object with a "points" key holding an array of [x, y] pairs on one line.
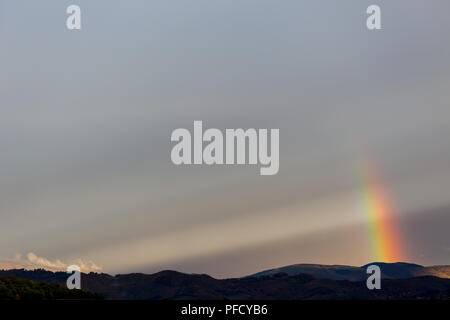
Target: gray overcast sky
{"points": [[86, 118]]}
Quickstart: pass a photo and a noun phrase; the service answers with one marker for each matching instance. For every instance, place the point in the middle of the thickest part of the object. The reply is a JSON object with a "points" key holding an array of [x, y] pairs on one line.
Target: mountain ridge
{"points": [[174, 285], [396, 270]]}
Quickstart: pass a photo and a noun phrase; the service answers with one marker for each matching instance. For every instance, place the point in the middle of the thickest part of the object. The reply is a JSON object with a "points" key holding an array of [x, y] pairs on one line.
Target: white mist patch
{"points": [[241, 147]]}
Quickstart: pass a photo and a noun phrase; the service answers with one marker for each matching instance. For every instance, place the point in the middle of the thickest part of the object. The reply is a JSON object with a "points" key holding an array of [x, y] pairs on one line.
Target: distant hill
{"points": [[272, 285], [399, 270]]}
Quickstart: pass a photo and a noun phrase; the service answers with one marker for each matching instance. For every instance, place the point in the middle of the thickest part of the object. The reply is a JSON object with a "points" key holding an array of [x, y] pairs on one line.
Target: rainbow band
{"points": [[384, 235]]}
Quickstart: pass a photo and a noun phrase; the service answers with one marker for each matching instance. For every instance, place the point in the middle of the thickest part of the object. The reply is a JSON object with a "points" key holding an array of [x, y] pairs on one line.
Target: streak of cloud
{"points": [[32, 261]]}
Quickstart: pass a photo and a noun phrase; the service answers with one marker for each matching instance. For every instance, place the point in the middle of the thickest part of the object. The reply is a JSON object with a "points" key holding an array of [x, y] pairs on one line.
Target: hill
{"points": [[275, 285], [24, 289], [399, 270]]}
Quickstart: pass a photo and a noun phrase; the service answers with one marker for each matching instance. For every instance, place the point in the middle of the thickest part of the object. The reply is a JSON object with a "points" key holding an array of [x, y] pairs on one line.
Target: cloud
{"points": [[33, 261]]}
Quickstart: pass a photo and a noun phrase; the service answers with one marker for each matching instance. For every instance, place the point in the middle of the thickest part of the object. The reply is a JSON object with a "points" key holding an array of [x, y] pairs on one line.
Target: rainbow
{"points": [[385, 236]]}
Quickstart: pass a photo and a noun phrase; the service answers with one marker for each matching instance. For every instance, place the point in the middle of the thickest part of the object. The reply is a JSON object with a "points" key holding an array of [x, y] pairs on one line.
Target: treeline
{"points": [[22, 289]]}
